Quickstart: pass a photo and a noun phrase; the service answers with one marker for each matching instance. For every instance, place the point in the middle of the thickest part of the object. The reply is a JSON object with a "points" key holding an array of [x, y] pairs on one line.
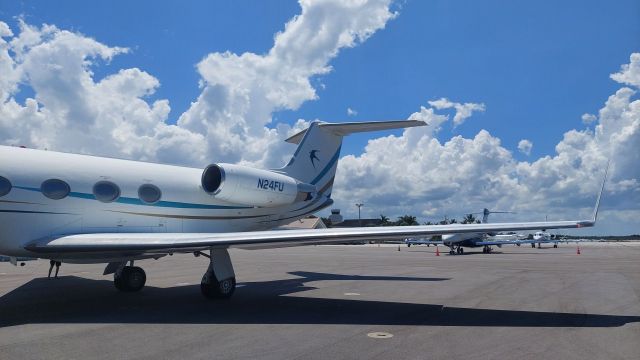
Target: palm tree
{"points": [[407, 220], [384, 221], [469, 219]]}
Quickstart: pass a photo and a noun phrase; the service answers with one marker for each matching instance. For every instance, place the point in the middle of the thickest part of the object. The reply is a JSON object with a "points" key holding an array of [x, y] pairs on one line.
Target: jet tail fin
{"points": [[316, 158]]}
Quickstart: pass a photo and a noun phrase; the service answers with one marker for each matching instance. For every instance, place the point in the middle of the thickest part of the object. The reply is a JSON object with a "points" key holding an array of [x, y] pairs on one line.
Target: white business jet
{"points": [[541, 237], [86, 209]]}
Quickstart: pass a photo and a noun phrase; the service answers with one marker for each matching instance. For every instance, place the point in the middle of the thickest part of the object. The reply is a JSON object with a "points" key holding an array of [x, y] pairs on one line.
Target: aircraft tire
{"points": [[131, 279], [218, 289]]}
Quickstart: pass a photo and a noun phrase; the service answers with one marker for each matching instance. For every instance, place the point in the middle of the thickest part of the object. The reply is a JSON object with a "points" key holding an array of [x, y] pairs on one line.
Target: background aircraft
{"points": [[88, 209], [457, 242]]}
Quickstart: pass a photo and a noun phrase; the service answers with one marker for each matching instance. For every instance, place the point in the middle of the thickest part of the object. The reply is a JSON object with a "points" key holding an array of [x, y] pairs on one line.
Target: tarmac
{"points": [[337, 302]]}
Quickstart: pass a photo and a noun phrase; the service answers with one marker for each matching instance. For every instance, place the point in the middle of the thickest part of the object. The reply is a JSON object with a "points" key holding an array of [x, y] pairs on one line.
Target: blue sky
{"points": [[537, 66], [207, 67]]}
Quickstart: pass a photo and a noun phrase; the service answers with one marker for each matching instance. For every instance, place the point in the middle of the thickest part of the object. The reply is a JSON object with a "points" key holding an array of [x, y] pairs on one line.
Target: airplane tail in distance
{"points": [[316, 158], [486, 212]]}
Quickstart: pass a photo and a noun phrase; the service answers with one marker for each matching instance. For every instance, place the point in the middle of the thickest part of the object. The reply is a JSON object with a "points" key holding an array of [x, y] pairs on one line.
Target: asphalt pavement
{"points": [[337, 302]]}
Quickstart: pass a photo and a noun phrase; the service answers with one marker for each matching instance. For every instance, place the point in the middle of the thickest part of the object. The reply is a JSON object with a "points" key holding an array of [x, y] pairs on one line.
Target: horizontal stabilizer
{"points": [[343, 129]]}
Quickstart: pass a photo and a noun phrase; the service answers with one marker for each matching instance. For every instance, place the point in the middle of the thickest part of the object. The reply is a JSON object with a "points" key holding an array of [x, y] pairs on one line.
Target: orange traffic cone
{"points": [[578, 252], [437, 251]]}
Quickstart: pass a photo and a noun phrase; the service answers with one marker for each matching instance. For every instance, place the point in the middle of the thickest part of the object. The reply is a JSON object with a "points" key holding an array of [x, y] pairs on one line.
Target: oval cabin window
{"points": [[5, 186], [149, 193], [106, 191], [55, 189]]}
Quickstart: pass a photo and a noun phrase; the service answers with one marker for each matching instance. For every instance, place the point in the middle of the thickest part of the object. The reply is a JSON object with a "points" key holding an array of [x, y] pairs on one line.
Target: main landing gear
{"points": [[218, 282], [486, 249]]}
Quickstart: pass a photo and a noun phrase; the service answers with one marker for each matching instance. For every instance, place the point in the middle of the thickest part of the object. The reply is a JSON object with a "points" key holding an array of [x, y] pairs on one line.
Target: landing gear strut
{"points": [[486, 249], [219, 282], [129, 279]]}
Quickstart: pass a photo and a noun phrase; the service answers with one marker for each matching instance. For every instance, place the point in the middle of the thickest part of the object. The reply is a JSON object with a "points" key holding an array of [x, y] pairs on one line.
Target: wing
{"points": [[119, 245], [138, 244]]}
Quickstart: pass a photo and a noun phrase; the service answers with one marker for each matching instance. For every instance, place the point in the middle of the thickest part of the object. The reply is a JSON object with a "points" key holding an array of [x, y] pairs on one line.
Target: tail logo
{"points": [[313, 156]]}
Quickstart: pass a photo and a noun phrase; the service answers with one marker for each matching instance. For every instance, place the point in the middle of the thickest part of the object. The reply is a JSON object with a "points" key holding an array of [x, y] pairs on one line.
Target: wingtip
{"points": [[604, 181]]}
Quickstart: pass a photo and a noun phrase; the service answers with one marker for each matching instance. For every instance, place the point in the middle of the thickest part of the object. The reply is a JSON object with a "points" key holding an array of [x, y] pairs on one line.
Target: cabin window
{"points": [[149, 193], [106, 191], [5, 186], [55, 189]]}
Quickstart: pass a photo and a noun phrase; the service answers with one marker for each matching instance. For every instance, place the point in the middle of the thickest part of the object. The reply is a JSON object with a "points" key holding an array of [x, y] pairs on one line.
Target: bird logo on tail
{"points": [[313, 156]]}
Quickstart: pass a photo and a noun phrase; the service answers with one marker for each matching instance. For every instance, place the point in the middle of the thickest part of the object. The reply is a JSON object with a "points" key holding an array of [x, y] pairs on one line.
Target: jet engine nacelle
{"points": [[254, 187]]}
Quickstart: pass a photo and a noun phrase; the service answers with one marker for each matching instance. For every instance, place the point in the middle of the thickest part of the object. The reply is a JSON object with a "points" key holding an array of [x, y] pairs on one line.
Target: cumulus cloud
{"points": [[463, 111], [588, 118], [240, 92], [525, 146], [71, 110], [351, 112], [629, 74], [462, 175], [74, 111]]}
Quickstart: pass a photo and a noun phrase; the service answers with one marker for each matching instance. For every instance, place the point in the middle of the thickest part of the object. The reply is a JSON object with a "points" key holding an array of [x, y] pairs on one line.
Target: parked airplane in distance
{"points": [[87, 209], [541, 237], [456, 242]]}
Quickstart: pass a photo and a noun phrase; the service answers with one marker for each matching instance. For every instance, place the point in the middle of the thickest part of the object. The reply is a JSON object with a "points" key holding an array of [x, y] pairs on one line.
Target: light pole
{"points": [[359, 205]]}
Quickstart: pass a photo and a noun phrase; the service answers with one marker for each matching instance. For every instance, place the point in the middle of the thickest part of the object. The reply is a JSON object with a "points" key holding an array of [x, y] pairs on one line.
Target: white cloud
{"points": [[525, 146], [351, 112], [462, 175], [113, 116], [463, 111], [242, 91], [588, 118], [629, 73], [5, 31]]}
